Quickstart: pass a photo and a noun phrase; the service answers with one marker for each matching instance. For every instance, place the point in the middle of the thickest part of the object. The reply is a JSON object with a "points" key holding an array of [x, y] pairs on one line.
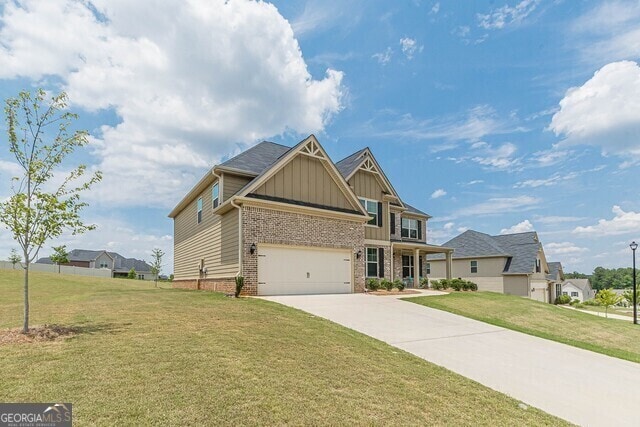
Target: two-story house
{"points": [[291, 221], [512, 264]]}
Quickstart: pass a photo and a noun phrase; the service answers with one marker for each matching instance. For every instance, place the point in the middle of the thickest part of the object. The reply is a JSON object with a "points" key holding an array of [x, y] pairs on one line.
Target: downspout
{"points": [[240, 251]]}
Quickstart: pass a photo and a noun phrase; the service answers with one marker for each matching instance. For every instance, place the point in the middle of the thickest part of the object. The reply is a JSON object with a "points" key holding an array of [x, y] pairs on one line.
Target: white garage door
{"points": [[288, 270]]}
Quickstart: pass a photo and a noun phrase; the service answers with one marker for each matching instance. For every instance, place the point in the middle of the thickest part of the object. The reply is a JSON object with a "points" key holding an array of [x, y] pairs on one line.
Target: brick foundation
{"points": [[227, 284]]}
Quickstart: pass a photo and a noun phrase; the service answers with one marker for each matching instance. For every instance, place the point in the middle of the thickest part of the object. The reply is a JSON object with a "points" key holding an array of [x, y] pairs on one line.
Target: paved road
{"points": [[580, 386]]}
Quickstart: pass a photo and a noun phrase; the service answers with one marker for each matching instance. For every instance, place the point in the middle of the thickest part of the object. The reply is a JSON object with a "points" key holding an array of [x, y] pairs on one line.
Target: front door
{"points": [[407, 270]]}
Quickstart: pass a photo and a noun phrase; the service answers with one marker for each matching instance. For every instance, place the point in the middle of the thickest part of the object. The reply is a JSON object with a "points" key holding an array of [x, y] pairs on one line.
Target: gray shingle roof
{"points": [[554, 269], [257, 158], [411, 209], [583, 284], [347, 165], [521, 248], [120, 263]]}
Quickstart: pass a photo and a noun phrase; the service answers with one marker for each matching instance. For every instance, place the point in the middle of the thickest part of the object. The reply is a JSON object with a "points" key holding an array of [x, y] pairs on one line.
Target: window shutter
{"points": [[380, 262], [393, 223], [379, 214], [420, 269], [419, 230]]}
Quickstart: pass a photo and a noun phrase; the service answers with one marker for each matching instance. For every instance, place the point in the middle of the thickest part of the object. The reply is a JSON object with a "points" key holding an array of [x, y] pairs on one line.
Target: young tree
{"points": [[132, 274], [60, 255], [156, 263], [628, 295], [40, 208], [607, 298], [14, 258]]}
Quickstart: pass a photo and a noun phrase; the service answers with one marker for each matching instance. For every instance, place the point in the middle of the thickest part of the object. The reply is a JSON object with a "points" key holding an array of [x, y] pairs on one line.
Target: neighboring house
{"points": [[119, 265], [512, 264], [579, 289], [556, 276], [290, 221]]}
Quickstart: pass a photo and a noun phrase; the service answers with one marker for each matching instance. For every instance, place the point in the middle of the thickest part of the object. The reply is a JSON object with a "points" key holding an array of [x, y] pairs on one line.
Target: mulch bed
{"points": [[43, 333], [395, 292]]}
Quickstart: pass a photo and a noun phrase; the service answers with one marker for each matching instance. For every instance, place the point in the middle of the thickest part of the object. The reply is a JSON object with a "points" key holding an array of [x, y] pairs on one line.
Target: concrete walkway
{"points": [[596, 313], [580, 386]]}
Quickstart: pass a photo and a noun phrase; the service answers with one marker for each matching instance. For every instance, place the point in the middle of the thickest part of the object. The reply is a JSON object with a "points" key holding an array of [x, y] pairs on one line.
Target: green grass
{"points": [[162, 356], [617, 338]]}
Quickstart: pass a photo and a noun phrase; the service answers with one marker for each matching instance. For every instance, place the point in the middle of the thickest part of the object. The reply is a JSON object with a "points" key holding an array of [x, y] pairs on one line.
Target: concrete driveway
{"points": [[580, 386]]}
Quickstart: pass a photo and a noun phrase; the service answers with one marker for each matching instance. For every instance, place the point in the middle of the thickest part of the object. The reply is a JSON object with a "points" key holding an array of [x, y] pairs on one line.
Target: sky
{"points": [[497, 116]]}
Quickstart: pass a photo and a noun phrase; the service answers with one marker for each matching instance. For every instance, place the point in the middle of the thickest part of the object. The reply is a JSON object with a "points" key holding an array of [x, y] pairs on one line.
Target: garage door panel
{"points": [[302, 270]]}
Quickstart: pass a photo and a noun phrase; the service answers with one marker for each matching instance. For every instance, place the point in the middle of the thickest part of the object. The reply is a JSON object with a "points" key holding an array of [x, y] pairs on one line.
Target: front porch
{"points": [[409, 261]]}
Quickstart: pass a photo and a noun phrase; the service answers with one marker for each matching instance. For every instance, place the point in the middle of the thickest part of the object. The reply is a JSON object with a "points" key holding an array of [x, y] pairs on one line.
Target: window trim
{"points": [[373, 222], [576, 294], [411, 266], [473, 264], [427, 268], [215, 202], [409, 229], [199, 210], [367, 262]]}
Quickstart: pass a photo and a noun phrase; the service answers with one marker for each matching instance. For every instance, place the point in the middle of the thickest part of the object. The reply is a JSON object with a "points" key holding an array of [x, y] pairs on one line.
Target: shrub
{"points": [[386, 284], [396, 284], [435, 284], [472, 286], [456, 284], [239, 285], [579, 305], [424, 283], [400, 286], [591, 302], [373, 284], [563, 299], [575, 301]]}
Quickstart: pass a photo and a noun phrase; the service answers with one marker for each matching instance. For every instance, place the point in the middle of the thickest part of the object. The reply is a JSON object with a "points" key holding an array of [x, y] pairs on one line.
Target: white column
{"points": [[416, 268], [449, 264]]}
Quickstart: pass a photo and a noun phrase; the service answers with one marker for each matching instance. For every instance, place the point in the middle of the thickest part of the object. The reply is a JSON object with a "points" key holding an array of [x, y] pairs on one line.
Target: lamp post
{"points": [[633, 247]]}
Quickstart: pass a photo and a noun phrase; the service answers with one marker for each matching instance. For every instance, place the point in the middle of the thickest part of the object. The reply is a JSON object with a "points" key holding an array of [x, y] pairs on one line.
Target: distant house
{"points": [[513, 264], [579, 289], [119, 265], [556, 276]]}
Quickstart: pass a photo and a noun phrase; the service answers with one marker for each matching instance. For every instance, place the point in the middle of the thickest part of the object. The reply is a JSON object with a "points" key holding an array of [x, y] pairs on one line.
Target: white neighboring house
{"points": [[579, 289]]}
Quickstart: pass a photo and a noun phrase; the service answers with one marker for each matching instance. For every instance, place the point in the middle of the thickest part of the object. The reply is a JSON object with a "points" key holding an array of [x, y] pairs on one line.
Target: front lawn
{"points": [[617, 338], [148, 356]]}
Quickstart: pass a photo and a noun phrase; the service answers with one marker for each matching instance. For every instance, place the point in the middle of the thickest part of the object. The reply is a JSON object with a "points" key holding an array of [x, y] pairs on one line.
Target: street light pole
{"points": [[633, 247]]}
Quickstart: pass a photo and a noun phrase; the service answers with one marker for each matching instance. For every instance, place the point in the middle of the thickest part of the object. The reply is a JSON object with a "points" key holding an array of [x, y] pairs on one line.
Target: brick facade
{"points": [[260, 225], [227, 284]]}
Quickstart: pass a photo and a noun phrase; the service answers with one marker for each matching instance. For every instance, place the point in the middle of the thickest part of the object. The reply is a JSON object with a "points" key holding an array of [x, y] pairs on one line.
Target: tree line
{"points": [[605, 278]]}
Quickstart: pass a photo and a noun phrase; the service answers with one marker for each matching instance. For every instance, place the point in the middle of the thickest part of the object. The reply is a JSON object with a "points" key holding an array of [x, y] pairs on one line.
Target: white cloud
{"points": [[609, 31], [603, 112], [462, 229], [499, 205], [435, 9], [438, 193], [551, 219], [520, 227], [564, 249], [498, 158], [448, 226], [410, 47], [551, 157], [507, 15], [383, 57], [189, 82], [622, 223], [472, 125]]}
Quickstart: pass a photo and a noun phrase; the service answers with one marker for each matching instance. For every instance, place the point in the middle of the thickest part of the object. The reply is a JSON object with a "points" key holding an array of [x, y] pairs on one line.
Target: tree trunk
{"points": [[25, 326]]}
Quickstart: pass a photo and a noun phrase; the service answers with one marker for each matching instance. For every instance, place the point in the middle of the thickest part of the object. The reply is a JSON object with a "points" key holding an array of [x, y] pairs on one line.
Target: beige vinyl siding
{"points": [[231, 184], [488, 278], [516, 285], [366, 185], [305, 179], [215, 240]]}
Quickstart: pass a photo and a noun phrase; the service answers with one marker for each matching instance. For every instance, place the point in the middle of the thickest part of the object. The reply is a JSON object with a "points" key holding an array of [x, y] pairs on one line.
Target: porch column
{"points": [[416, 268], [391, 273], [449, 264]]}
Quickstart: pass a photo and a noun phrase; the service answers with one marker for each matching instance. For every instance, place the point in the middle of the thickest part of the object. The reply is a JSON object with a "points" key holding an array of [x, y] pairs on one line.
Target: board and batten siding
{"points": [[215, 240], [366, 185], [305, 179], [231, 184]]}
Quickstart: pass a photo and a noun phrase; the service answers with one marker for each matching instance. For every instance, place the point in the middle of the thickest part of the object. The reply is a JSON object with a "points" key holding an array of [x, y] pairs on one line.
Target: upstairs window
{"points": [[410, 228], [199, 210], [538, 268], [371, 206], [474, 266], [103, 264], [215, 195]]}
